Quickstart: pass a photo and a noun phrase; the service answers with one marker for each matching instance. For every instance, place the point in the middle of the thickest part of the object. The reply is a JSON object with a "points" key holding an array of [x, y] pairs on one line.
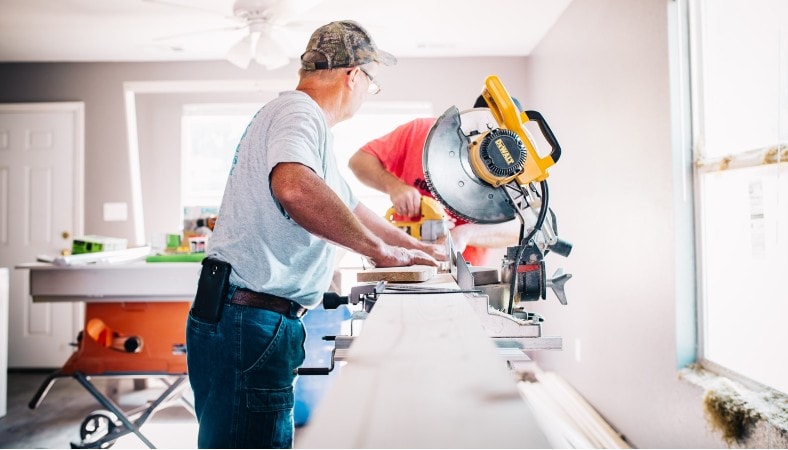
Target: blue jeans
{"points": [[241, 371]]}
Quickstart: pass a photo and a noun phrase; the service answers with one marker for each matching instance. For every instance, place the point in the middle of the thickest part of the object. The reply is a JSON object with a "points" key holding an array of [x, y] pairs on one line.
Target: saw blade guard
{"points": [[469, 156], [449, 175]]}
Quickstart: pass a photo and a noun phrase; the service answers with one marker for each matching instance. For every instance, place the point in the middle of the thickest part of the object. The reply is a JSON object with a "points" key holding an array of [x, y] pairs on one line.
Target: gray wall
{"points": [[443, 82], [601, 79]]}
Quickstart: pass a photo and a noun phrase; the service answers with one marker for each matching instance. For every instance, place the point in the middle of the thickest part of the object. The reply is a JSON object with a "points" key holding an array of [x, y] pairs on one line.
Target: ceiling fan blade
{"points": [[269, 53], [196, 32], [240, 54]]}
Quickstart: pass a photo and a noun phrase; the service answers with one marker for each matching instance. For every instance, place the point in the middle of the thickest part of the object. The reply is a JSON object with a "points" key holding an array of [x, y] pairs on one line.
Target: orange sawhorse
{"points": [[156, 332]]}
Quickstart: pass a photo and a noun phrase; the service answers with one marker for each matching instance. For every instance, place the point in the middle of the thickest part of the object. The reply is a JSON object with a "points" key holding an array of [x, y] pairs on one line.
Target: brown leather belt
{"points": [[268, 302]]}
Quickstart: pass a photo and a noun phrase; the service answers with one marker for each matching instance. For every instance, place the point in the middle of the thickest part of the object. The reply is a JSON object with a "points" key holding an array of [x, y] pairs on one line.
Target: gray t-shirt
{"points": [[268, 251]]}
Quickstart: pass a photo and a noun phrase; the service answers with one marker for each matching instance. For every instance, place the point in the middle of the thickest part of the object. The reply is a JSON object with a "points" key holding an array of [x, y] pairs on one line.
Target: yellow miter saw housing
{"points": [[429, 226], [504, 154]]}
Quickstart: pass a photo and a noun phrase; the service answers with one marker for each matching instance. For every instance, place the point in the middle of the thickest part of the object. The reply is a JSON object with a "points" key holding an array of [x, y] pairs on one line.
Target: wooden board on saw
{"points": [[409, 274]]}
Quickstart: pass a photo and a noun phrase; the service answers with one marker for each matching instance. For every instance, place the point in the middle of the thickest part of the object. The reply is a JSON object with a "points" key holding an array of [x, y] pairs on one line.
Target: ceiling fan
{"points": [[263, 21]]}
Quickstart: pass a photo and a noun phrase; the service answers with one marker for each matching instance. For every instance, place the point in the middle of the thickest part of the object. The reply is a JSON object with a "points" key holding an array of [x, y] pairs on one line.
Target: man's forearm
{"points": [[406, 199], [310, 203], [385, 230], [392, 235], [369, 170], [318, 209], [497, 235]]}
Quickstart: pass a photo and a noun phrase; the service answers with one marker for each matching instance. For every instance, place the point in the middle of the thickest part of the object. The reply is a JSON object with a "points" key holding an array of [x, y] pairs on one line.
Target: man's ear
{"points": [[352, 77]]}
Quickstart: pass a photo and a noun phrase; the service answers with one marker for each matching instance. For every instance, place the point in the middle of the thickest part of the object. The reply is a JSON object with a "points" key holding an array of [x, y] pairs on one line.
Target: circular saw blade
{"points": [[448, 172]]}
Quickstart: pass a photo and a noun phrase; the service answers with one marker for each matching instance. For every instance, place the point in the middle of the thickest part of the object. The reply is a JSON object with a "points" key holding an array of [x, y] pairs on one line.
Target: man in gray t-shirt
{"points": [[285, 209]]}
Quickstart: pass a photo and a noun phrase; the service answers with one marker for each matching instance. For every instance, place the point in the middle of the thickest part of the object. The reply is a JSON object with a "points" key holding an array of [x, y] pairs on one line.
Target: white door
{"points": [[3, 343], [41, 208]]}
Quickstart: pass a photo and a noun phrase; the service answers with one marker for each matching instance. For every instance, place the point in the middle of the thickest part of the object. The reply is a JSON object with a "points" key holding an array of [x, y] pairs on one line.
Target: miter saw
{"points": [[482, 165]]}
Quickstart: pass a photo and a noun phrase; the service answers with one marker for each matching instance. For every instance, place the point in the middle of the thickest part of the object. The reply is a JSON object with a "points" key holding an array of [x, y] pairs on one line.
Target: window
{"points": [[211, 133], [372, 121], [740, 131]]}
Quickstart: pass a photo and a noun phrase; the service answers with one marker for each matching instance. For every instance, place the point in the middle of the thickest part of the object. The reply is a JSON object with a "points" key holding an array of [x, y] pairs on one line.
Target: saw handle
{"points": [[537, 117], [392, 216], [318, 370], [332, 300]]}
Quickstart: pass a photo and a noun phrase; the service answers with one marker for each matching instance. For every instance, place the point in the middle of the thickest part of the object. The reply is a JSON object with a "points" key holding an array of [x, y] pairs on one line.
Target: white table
{"points": [[130, 282]]}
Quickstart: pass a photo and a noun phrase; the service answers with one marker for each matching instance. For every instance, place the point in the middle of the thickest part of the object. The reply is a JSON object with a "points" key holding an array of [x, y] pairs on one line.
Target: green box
{"points": [[93, 244], [173, 241]]}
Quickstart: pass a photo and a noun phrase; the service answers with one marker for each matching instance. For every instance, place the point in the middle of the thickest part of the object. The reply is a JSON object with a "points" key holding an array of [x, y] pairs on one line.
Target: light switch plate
{"points": [[116, 212]]}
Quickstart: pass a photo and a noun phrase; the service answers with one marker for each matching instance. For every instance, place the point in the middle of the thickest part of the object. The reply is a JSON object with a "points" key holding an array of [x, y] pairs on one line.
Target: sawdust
{"points": [[730, 414]]}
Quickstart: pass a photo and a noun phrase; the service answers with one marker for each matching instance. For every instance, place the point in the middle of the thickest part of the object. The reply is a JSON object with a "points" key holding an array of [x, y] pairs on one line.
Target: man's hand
{"points": [[398, 247], [400, 256], [496, 235], [369, 170], [438, 251], [406, 200]]}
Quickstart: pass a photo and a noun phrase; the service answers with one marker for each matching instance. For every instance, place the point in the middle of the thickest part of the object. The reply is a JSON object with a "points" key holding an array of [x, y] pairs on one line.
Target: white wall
{"points": [[601, 78]]}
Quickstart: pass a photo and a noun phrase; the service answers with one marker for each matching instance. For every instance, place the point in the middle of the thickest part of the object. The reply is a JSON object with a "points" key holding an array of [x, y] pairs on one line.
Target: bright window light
{"points": [[210, 135], [740, 137]]}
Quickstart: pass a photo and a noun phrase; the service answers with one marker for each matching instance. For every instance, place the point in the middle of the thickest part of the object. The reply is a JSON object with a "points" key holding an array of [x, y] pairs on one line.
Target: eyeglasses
{"points": [[373, 87]]}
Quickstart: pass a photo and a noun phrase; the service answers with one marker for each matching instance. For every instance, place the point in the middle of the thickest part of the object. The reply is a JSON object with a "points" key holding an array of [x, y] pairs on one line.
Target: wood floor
{"points": [[57, 421]]}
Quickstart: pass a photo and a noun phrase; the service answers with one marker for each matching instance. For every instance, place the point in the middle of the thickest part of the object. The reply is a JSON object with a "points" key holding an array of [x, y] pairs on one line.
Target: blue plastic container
{"points": [[309, 389]]}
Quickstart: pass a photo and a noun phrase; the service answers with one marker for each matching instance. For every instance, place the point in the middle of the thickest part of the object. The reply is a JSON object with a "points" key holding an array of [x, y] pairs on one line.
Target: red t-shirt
{"points": [[401, 152]]}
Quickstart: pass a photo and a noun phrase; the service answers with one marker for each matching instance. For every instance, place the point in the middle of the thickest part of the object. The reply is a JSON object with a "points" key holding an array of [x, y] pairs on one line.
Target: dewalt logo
{"points": [[504, 151]]}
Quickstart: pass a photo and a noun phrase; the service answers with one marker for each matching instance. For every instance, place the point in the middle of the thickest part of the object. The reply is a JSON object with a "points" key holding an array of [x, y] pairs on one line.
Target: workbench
{"points": [[423, 374], [129, 282], [148, 300], [147, 303]]}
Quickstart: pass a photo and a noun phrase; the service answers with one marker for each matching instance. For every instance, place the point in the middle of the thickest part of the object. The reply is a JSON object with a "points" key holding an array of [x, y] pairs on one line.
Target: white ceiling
{"points": [[137, 30]]}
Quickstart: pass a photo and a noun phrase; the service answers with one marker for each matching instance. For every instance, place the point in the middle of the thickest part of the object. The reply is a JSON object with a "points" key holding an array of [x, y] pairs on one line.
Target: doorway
{"points": [[41, 209]]}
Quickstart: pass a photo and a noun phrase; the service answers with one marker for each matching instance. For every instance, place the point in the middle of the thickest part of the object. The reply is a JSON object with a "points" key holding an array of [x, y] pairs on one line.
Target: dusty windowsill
{"points": [[746, 417]]}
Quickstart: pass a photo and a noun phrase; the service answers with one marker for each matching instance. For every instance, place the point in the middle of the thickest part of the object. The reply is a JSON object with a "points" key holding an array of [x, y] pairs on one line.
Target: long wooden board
{"points": [[410, 274], [423, 374]]}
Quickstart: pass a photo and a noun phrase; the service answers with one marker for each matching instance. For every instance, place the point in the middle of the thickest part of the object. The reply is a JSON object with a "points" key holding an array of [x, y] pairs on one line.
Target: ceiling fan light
{"points": [[240, 54], [269, 54]]}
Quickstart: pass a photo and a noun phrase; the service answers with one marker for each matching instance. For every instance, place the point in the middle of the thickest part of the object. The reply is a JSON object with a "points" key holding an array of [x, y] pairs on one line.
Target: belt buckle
{"points": [[297, 310]]}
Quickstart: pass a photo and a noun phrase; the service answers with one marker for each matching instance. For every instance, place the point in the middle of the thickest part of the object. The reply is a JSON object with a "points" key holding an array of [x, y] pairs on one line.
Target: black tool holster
{"points": [[211, 290]]}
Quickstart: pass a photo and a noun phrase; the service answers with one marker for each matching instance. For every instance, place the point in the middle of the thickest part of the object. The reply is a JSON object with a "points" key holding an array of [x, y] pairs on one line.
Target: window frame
{"points": [[690, 20]]}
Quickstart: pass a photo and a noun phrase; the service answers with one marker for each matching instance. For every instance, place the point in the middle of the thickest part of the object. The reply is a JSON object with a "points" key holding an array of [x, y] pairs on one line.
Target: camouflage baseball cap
{"points": [[343, 43]]}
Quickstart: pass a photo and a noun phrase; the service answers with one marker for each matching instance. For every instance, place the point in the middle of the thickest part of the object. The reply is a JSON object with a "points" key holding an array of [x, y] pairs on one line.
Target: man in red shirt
{"points": [[393, 164]]}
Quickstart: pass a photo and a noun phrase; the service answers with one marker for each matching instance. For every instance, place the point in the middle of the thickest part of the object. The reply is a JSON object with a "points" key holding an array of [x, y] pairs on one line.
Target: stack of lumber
{"points": [[566, 418]]}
